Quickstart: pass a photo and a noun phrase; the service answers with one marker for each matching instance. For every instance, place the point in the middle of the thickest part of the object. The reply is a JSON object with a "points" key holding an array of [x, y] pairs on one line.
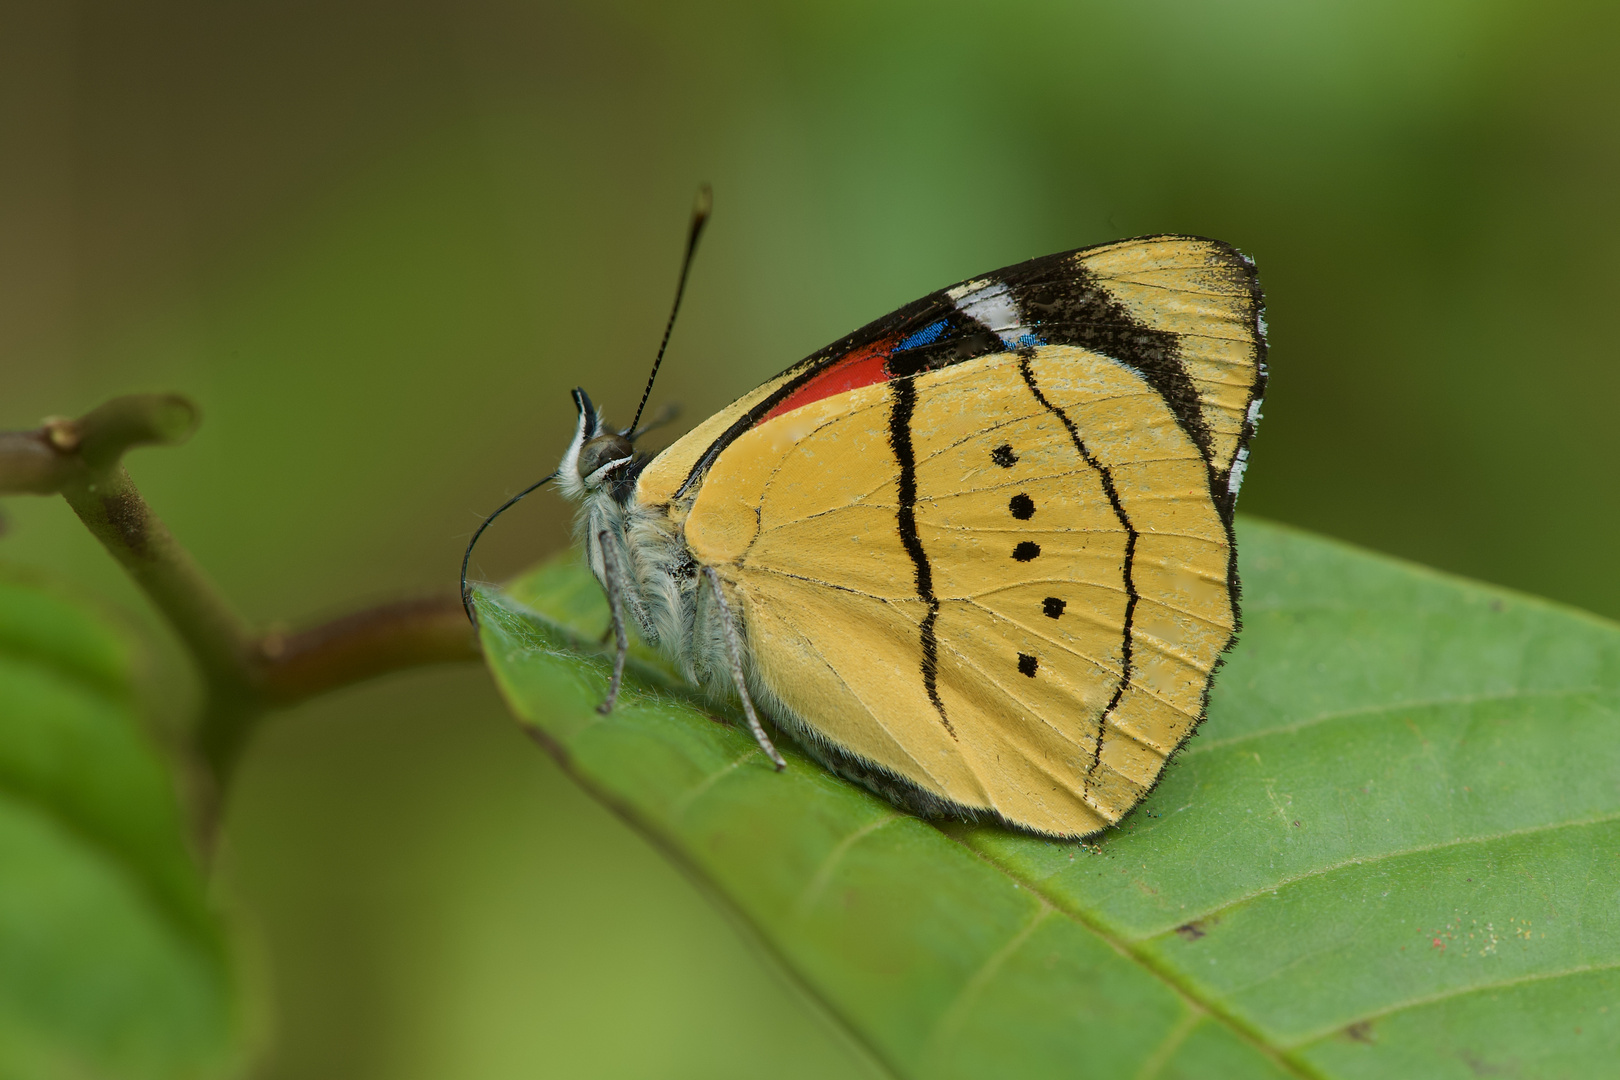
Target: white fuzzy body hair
{"points": [[659, 583]]}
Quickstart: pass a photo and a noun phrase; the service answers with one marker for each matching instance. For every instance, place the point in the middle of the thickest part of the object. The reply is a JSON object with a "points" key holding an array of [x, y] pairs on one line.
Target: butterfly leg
{"points": [[734, 650], [610, 567]]}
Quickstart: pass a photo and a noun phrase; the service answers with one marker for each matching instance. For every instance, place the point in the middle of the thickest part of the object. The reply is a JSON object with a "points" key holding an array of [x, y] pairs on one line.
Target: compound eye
{"points": [[599, 451]]}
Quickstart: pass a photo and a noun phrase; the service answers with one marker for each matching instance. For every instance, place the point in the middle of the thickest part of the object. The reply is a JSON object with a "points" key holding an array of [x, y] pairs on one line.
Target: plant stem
{"points": [[375, 641], [217, 638], [245, 673]]}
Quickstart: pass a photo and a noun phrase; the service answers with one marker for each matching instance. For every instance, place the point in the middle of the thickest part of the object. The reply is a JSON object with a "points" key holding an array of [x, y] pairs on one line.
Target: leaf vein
{"points": [[1371, 711], [823, 873], [1371, 860], [1156, 1061], [1456, 992], [951, 1018]]}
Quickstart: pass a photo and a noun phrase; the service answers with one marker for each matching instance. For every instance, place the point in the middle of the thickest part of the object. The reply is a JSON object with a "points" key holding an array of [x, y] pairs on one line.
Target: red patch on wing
{"points": [[856, 370]]}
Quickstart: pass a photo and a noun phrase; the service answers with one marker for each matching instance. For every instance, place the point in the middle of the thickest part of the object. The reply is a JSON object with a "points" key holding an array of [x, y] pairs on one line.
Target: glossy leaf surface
{"points": [[111, 961], [1393, 850]]}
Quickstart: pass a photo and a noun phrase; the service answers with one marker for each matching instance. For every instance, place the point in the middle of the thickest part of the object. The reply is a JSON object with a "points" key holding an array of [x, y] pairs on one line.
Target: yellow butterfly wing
{"points": [[1094, 530], [1006, 582], [1195, 290]]}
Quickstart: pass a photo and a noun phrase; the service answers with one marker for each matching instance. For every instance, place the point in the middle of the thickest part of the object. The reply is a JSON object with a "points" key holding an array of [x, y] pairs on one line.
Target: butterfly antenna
{"points": [[666, 414], [700, 216], [466, 593]]}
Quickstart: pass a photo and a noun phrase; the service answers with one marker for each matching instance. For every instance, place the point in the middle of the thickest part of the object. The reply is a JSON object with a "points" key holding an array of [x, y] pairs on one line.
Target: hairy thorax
{"points": [[660, 580]]}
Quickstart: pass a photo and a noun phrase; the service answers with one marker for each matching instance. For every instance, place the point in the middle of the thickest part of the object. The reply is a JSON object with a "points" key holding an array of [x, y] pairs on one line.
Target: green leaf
{"points": [[1392, 851], [112, 963]]}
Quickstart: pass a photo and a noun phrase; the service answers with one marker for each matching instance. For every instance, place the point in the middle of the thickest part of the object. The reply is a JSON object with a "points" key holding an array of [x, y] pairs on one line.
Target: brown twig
{"points": [[244, 673], [45, 460], [365, 644]]}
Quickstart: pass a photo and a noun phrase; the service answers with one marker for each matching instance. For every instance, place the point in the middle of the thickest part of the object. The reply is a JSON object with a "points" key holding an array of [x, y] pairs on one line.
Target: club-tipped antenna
{"points": [[466, 594], [700, 216]]}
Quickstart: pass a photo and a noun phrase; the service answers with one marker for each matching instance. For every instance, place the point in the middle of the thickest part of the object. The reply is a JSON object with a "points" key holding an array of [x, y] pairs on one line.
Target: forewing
{"points": [[1184, 312]]}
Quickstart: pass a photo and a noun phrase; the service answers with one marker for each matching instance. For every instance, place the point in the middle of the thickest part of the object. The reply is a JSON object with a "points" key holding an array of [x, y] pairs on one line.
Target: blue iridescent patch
{"points": [[926, 336]]}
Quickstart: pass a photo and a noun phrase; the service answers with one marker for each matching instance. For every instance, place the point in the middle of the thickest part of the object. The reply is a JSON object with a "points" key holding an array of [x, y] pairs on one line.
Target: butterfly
{"points": [[976, 556]]}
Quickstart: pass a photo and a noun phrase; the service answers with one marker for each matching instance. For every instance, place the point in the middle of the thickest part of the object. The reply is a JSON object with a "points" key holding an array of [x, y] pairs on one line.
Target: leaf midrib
{"points": [[1282, 1054], [1128, 949]]}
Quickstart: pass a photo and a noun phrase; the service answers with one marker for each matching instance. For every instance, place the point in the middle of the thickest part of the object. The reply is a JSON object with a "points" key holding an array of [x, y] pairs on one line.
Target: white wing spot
{"points": [[1235, 480], [991, 304]]}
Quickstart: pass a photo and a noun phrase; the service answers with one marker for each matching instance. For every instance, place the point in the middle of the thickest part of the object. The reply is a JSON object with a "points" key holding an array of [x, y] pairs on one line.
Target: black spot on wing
{"points": [[1131, 535], [1022, 507], [1003, 455], [1053, 607], [1026, 550], [1028, 665]]}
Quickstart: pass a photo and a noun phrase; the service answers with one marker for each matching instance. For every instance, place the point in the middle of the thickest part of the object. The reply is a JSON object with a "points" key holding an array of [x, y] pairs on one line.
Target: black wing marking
{"points": [[1051, 300]]}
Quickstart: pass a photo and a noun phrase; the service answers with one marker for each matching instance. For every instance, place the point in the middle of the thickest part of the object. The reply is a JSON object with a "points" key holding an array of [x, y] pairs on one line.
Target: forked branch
{"points": [[245, 672]]}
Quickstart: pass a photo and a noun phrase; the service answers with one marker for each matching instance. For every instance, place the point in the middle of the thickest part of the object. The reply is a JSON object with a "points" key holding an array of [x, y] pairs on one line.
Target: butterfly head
{"points": [[596, 456]]}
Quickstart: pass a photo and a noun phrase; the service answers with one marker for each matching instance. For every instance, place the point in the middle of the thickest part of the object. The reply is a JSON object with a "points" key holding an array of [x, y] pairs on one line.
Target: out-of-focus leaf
{"points": [[111, 961], [1392, 851]]}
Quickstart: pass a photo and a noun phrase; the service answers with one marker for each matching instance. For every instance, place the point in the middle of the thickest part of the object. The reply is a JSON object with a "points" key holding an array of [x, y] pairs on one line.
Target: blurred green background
{"points": [[378, 242]]}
